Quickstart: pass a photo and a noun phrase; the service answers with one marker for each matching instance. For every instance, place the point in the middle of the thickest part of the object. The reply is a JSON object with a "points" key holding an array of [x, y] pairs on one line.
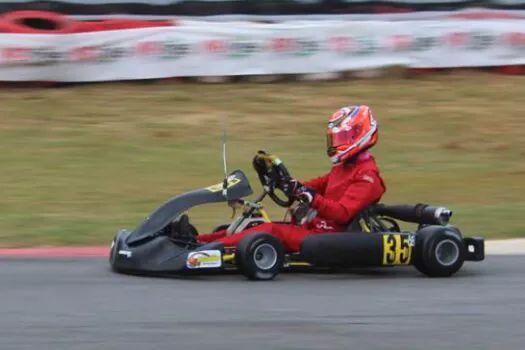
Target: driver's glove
{"points": [[290, 186], [270, 159], [297, 190], [305, 195]]}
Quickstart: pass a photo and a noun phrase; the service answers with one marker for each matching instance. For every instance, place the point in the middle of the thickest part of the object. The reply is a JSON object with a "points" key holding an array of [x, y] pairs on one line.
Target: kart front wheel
{"points": [[259, 256], [442, 253]]}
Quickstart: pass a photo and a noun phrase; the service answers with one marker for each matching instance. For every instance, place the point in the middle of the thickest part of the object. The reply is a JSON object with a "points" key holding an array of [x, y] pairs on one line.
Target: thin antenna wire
{"points": [[225, 183]]}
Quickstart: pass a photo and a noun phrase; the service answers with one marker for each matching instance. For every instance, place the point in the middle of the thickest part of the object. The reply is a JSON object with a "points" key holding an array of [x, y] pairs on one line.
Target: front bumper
{"points": [[161, 256]]}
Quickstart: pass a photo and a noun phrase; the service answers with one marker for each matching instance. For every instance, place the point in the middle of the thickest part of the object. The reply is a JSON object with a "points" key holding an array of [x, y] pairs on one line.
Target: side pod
{"points": [[344, 249]]}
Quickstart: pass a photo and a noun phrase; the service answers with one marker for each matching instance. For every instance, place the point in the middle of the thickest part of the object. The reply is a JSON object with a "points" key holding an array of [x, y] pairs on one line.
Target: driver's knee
{"points": [[233, 240]]}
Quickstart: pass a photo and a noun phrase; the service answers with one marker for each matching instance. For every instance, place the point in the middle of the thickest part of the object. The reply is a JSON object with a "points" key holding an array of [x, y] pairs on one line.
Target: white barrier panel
{"points": [[228, 49]]}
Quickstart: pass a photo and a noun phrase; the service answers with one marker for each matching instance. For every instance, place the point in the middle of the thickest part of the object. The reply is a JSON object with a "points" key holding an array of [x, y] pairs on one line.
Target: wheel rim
{"points": [[447, 252], [265, 256]]}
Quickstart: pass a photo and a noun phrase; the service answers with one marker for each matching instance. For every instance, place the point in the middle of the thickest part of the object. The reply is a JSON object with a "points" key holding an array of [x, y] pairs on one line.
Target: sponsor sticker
{"points": [[412, 240], [204, 259], [232, 181], [126, 253]]}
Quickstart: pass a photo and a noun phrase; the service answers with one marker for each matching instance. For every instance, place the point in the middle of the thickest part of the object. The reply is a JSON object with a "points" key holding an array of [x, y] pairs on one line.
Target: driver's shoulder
{"points": [[358, 169]]}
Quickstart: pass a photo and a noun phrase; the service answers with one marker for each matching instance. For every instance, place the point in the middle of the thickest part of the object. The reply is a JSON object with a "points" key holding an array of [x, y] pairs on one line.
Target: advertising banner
{"points": [[232, 49]]}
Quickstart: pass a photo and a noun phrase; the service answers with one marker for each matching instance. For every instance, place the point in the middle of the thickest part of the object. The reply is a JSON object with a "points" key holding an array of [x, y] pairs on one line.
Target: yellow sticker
{"points": [[397, 249], [232, 181]]}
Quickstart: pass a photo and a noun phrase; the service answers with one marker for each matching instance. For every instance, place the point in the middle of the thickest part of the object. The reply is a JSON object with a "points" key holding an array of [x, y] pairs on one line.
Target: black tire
{"points": [[441, 253], [259, 256]]}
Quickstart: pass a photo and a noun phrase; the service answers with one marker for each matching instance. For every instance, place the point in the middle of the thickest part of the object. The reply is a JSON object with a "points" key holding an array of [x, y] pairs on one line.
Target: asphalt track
{"points": [[66, 303]]}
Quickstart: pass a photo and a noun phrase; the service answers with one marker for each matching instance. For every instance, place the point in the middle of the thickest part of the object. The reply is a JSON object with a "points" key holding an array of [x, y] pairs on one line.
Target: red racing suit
{"points": [[340, 195]]}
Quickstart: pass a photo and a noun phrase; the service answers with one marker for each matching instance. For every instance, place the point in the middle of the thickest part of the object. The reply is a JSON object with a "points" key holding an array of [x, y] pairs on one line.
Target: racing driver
{"points": [[352, 184]]}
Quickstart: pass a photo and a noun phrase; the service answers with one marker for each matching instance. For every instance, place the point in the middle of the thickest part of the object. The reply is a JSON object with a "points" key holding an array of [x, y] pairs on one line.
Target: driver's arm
{"points": [[318, 184], [364, 191]]}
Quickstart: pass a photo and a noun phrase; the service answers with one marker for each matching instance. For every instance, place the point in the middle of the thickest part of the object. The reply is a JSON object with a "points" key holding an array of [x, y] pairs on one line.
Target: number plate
{"points": [[397, 249]]}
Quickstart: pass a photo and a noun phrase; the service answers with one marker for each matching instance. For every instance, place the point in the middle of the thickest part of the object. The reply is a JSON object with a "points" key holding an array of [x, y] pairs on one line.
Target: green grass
{"points": [[79, 163]]}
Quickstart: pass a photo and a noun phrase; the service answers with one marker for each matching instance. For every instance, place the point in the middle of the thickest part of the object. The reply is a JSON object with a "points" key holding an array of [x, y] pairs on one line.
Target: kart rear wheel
{"points": [[259, 256], [442, 253]]}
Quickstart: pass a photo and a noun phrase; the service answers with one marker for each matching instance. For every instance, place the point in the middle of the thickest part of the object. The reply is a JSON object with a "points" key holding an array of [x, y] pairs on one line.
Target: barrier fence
{"points": [[70, 51], [264, 9]]}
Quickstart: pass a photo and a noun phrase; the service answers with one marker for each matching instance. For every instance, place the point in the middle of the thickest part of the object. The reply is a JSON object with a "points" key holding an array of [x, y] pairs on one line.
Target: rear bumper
{"points": [[475, 247]]}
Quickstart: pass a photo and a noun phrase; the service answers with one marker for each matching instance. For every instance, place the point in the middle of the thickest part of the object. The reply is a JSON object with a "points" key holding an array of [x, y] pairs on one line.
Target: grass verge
{"points": [[78, 163]]}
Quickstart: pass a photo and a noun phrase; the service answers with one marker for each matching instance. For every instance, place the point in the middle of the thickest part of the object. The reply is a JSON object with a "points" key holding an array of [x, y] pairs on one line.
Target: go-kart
{"points": [[165, 242]]}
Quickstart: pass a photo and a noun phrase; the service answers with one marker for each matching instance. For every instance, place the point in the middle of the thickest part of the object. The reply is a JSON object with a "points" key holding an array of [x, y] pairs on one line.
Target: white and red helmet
{"points": [[351, 130]]}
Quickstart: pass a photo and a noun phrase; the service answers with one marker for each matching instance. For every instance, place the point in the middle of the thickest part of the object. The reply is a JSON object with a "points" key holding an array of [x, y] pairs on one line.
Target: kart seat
{"points": [[366, 221], [358, 222]]}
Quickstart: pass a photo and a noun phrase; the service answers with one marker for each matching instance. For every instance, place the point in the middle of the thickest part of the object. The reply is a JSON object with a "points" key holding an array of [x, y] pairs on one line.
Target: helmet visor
{"points": [[340, 138]]}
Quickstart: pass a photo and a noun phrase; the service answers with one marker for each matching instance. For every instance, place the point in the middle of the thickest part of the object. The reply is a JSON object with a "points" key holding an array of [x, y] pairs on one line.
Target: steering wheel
{"points": [[270, 174]]}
